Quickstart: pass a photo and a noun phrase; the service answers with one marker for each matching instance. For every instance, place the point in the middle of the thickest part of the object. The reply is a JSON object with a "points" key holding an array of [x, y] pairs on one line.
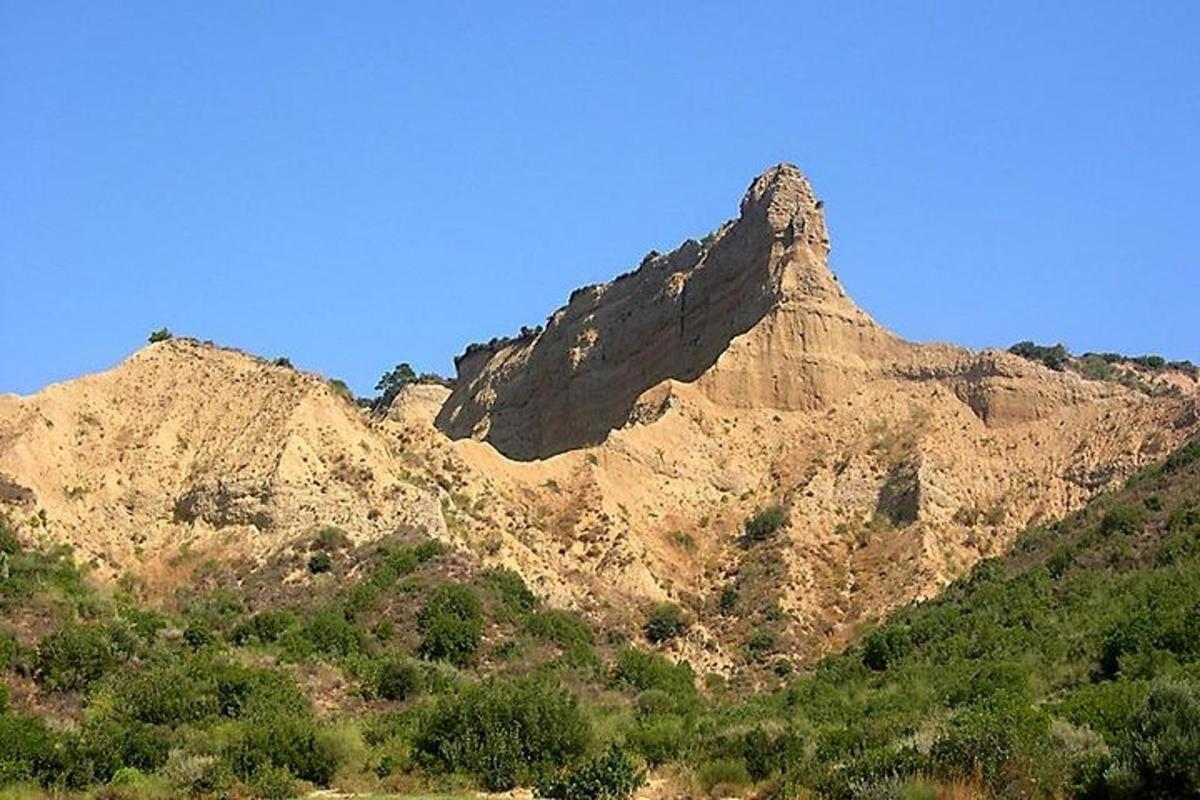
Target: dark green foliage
{"points": [[394, 565], [760, 643], [331, 634], [614, 775], [398, 679], [283, 361], [77, 655], [1053, 356], [1160, 755], [160, 335], [567, 630], [283, 742], [886, 646], [451, 624], [1123, 519], [390, 385], [511, 589], [664, 622], [264, 627], [319, 562], [504, 732], [637, 669], [728, 599], [1188, 454], [273, 783], [26, 748], [763, 524]]}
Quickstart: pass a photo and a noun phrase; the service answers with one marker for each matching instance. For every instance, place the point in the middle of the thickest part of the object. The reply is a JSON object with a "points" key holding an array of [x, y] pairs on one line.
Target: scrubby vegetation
{"points": [[1101, 366], [1070, 668]]}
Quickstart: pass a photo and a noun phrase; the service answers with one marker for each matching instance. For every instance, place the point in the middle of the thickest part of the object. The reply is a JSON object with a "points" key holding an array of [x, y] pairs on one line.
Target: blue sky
{"points": [[357, 184]]}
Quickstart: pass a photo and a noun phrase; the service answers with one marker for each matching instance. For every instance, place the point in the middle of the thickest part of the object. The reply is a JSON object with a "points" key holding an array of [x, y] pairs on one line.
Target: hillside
{"points": [[1069, 668], [614, 457]]}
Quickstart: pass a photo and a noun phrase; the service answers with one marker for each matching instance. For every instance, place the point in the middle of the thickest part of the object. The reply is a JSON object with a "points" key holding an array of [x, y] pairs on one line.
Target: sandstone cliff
{"points": [[753, 316]]}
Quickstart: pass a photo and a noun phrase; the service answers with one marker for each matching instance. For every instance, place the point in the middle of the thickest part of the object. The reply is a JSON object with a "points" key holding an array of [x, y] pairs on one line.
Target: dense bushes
{"points": [[451, 624], [504, 732], [1071, 669], [77, 655], [1160, 754], [613, 775]]}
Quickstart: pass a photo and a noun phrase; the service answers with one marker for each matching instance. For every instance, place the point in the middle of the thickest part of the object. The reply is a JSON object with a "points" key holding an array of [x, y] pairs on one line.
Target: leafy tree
{"points": [[160, 335], [390, 384]]}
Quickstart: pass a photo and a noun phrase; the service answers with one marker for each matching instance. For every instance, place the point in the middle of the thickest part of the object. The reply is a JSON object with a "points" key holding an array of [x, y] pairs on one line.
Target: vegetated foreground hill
{"points": [[1069, 668], [721, 429]]}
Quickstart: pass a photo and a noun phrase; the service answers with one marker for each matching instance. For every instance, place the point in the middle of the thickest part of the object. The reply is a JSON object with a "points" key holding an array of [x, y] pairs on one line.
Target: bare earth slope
{"points": [[614, 456]]}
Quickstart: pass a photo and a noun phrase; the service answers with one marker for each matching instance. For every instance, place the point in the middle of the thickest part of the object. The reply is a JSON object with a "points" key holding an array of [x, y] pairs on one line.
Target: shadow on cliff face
{"points": [[569, 385]]}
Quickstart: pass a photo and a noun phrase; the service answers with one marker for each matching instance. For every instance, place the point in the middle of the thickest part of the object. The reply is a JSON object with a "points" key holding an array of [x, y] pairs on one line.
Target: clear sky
{"points": [[357, 184]]}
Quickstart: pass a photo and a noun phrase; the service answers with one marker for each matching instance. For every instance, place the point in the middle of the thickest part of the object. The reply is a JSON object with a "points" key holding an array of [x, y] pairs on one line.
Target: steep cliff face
{"points": [[753, 316], [672, 318]]}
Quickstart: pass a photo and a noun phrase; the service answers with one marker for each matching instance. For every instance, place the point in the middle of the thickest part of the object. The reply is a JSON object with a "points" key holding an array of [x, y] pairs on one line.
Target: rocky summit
{"points": [[618, 456]]}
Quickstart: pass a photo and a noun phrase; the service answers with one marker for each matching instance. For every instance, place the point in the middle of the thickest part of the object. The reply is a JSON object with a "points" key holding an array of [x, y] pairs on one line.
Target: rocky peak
{"points": [[782, 200]]}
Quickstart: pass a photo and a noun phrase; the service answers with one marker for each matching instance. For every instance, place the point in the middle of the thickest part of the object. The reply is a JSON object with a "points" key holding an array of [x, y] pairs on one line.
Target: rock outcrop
{"points": [[753, 316]]}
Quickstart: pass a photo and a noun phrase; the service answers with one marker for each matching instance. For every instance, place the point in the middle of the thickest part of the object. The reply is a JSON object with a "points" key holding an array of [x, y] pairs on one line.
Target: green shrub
{"points": [[614, 775], [993, 741], [658, 738], [398, 679], [273, 783], [331, 634], [264, 627], [451, 624], [1053, 356], [664, 623], [504, 732], [196, 774], [320, 562], [567, 630], [760, 643], [1123, 519], [728, 599], [160, 335], [644, 671], [291, 742], [1160, 755], [763, 524], [886, 647], [77, 655], [511, 589], [26, 748]]}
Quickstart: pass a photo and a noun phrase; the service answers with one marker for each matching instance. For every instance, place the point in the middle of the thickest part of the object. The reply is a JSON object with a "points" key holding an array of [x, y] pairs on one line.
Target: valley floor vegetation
{"points": [[1070, 668]]}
